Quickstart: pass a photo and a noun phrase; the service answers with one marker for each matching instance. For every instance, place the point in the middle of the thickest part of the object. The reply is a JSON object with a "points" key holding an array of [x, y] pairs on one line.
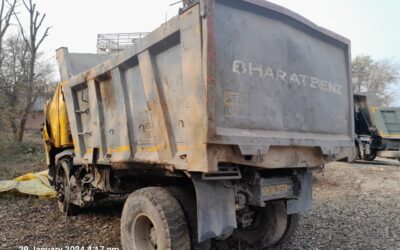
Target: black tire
{"points": [[187, 198], [370, 157], [272, 226], [63, 188], [353, 157], [291, 227], [152, 218]]}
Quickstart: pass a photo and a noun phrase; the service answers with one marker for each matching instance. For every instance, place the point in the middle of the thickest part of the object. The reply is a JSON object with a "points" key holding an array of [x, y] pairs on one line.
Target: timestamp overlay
{"points": [[67, 248]]}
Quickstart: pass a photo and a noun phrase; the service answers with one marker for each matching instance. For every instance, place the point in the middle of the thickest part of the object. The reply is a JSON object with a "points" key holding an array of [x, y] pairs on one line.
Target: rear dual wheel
{"points": [[153, 219], [271, 226], [187, 198]]}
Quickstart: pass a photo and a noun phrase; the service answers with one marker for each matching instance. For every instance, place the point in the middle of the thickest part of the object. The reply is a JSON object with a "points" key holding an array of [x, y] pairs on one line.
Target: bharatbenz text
{"points": [[262, 72]]}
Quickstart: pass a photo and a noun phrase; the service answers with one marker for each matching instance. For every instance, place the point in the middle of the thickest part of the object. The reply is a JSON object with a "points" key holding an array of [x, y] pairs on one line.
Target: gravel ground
{"points": [[355, 207], [33, 222], [352, 222]]}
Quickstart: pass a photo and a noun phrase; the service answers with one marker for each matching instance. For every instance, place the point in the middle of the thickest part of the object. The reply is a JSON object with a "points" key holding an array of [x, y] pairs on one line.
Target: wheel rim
{"points": [[63, 185], [144, 233]]}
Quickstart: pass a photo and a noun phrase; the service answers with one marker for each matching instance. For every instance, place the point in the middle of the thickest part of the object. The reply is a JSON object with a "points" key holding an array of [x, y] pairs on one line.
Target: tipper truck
{"points": [[213, 124], [377, 128]]}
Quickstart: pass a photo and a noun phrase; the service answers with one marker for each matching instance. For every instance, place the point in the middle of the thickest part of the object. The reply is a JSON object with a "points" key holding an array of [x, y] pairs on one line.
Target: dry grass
{"points": [[341, 179], [19, 158]]}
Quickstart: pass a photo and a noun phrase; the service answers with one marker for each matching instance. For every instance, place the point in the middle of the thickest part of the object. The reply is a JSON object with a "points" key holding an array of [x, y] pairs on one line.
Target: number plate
{"points": [[275, 189]]}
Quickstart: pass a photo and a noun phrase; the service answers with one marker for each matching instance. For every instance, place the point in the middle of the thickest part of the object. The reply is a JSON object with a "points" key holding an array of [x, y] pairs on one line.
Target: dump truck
{"points": [[212, 125], [377, 128]]}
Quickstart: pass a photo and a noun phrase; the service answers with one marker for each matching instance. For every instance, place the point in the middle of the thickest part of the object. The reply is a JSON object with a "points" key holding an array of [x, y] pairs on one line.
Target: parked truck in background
{"points": [[213, 122], [377, 128]]}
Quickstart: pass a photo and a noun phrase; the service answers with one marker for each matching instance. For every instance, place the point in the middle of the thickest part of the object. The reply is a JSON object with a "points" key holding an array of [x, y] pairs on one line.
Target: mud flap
{"points": [[304, 201], [216, 216]]}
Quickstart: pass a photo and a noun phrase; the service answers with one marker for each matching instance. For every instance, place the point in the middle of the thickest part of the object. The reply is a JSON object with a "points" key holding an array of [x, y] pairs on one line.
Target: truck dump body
{"points": [[280, 79], [377, 128], [243, 82], [387, 121], [370, 114]]}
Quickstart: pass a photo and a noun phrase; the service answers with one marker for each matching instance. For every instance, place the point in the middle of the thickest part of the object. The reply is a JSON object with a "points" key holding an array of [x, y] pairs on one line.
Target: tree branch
{"points": [[22, 30], [46, 34]]}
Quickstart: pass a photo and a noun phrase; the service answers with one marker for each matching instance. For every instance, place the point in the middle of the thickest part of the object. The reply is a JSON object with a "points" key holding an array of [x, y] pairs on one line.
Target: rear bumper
{"points": [[218, 200]]}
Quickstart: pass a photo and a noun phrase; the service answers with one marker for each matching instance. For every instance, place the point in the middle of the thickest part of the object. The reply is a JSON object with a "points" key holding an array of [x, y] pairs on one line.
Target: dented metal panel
{"points": [[281, 81], [245, 82]]}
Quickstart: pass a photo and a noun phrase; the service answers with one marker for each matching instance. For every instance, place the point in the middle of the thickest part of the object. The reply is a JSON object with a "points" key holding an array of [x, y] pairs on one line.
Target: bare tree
{"points": [[14, 78], [24, 72], [33, 39], [6, 12], [375, 77], [17, 93]]}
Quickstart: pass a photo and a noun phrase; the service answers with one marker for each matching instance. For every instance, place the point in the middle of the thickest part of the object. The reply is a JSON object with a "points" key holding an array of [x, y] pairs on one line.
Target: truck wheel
{"points": [[271, 226], [291, 227], [64, 189], [153, 219], [370, 157], [354, 155], [187, 199]]}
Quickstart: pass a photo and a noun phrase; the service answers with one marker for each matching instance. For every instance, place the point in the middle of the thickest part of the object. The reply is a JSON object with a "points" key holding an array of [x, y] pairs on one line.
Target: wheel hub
{"points": [[153, 237], [144, 233]]}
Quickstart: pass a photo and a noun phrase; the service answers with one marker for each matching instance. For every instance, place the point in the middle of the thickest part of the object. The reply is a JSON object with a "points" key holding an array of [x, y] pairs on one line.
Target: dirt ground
{"points": [[356, 206]]}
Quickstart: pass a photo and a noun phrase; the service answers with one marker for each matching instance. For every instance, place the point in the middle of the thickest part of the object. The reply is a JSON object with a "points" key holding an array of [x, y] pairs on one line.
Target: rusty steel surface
{"points": [[244, 82]]}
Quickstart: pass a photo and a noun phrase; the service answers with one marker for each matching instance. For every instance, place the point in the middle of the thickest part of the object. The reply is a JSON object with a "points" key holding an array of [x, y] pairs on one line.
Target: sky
{"points": [[371, 25]]}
